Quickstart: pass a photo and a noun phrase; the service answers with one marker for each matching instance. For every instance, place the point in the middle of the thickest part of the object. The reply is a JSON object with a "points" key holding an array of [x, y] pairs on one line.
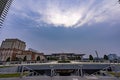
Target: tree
{"points": [[8, 59], [48, 58], [52, 58], [90, 57], [25, 58], [105, 57], [16, 59], [78, 58], [38, 58]]}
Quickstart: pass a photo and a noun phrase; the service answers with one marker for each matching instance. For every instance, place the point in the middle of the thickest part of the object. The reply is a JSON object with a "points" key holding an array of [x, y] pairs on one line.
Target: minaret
{"points": [[4, 7]]}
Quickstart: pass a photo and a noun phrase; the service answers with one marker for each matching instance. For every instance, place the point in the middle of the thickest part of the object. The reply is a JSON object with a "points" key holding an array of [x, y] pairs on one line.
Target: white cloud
{"points": [[67, 17], [89, 12], [106, 11], [58, 17]]}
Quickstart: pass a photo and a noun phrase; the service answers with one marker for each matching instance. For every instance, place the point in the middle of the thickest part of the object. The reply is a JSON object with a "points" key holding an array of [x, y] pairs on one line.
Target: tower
{"points": [[10, 48], [4, 7], [13, 44]]}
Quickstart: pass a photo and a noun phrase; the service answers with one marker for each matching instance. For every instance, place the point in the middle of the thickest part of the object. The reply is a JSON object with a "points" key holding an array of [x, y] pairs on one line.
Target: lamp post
{"points": [[21, 74], [22, 67], [80, 71], [52, 71]]}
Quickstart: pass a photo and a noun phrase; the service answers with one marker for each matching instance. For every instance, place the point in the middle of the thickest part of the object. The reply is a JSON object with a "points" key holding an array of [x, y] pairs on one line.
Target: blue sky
{"points": [[80, 26]]}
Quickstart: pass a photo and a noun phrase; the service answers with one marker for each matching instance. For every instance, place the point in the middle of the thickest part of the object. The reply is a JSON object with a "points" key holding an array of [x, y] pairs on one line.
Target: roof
{"points": [[15, 39], [65, 54]]}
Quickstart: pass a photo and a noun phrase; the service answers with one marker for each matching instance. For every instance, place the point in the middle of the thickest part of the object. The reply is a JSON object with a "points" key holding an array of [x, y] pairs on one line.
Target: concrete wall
{"points": [[68, 66]]}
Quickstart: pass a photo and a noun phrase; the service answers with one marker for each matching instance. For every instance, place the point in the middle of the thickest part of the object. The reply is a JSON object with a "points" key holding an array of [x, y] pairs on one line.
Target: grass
{"points": [[64, 61], [5, 66], [115, 73], [9, 75], [12, 75]]}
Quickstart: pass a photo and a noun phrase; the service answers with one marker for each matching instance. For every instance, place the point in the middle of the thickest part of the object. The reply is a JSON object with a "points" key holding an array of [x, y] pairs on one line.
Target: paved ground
{"points": [[63, 78], [55, 62]]}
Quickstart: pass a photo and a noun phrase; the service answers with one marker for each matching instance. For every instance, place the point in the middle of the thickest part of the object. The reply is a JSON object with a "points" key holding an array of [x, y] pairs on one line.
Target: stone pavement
{"points": [[62, 78]]}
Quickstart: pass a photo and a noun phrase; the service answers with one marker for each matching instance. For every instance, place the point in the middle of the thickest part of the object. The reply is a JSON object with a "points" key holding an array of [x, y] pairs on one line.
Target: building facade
{"points": [[30, 56], [64, 56], [13, 44], [4, 7], [112, 57], [8, 54], [14, 50]]}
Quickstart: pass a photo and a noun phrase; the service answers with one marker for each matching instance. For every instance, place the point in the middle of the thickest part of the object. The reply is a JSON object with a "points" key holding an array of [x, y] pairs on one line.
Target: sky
{"points": [[54, 26]]}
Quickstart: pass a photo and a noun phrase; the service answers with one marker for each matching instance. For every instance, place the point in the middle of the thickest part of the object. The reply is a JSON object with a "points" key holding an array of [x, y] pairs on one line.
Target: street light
{"points": [[52, 71], [22, 68], [21, 74], [81, 72]]}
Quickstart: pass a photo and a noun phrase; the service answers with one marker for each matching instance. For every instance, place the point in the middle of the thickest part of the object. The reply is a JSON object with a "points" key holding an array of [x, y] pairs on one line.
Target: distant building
{"points": [[112, 56], [4, 7], [64, 56], [14, 50]]}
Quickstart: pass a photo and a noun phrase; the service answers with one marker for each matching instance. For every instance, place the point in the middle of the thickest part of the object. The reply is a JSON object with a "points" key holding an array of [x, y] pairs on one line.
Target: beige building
{"points": [[13, 44], [14, 50], [8, 54], [30, 56]]}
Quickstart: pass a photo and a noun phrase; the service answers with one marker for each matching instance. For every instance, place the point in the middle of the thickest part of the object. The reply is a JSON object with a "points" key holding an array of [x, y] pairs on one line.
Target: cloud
{"points": [[67, 17], [102, 12], [68, 13], [59, 18]]}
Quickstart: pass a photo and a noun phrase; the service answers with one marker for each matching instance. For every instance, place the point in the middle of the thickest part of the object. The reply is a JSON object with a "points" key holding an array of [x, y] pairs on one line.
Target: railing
{"points": [[3, 63], [18, 62], [105, 71], [30, 72]]}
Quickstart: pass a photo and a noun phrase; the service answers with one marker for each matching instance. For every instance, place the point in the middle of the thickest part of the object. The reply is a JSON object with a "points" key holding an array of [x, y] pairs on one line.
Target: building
{"points": [[7, 54], [64, 56], [10, 48], [112, 57], [4, 7], [30, 56], [13, 44], [14, 50]]}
